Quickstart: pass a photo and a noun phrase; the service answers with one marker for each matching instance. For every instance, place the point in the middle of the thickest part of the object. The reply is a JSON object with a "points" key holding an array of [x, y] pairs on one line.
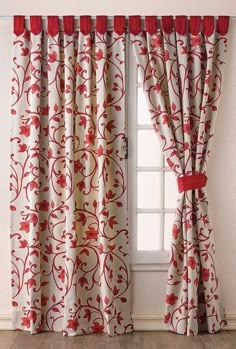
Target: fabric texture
{"points": [[69, 237], [181, 67]]}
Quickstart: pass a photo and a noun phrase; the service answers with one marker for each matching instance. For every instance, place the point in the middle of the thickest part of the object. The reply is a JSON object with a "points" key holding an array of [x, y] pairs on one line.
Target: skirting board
{"points": [[141, 322], [155, 322]]}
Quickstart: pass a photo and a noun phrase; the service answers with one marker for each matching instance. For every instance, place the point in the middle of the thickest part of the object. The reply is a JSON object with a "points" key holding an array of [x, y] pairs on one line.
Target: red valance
{"points": [[181, 24]]}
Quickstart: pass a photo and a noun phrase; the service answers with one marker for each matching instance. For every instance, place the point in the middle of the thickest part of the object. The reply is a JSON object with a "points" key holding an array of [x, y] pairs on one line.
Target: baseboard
{"points": [[155, 322], [141, 322], [5, 322]]}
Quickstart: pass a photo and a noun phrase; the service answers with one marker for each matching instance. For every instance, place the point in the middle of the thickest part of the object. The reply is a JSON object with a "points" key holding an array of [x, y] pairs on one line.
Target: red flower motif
{"points": [[167, 318], [73, 324], [171, 299], [43, 225], [77, 166], [24, 51], [45, 110], [186, 128], [82, 88], [156, 41], [175, 232], [97, 328], [166, 120], [99, 55], [25, 130], [44, 300], [62, 181], [25, 226], [22, 148], [23, 243], [25, 322], [89, 138], [91, 234], [157, 87], [191, 262], [52, 57], [78, 68], [44, 206], [61, 276], [195, 40], [205, 274], [166, 55]]}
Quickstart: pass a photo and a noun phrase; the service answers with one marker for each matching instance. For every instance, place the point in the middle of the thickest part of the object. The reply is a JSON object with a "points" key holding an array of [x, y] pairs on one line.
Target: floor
{"points": [[142, 340]]}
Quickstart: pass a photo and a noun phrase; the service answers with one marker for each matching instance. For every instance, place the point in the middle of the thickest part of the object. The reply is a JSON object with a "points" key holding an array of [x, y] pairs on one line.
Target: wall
{"points": [[148, 287]]}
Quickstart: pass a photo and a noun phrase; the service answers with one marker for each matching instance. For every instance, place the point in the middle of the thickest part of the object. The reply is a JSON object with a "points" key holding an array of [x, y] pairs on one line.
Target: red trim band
{"points": [[19, 25], [151, 24], [181, 25], [223, 25], [135, 25], [101, 24], [167, 24], [119, 24], [68, 23], [53, 25], [192, 182], [85, 24], [35, 24]]}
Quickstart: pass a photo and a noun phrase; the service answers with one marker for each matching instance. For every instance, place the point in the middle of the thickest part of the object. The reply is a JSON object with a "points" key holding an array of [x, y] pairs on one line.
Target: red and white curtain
{"points": [[181, 63], [69, 237]]}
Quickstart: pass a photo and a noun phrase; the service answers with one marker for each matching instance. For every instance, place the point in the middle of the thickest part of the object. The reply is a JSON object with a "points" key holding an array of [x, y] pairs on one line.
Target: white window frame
{"points": [[140, 260]]}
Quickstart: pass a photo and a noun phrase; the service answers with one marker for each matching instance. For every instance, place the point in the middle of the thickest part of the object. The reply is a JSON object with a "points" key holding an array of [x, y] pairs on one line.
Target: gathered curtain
{"points": [[69, 237], [181, 66]]}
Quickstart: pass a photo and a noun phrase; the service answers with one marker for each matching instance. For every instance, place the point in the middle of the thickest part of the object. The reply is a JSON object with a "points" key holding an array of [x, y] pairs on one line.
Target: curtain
{"points": [[69, 237], [181, 67]]}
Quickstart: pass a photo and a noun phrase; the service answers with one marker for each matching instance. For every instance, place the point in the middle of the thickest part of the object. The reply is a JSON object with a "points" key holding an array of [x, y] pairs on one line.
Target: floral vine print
{"points": [[181, 66], [69, 237]]}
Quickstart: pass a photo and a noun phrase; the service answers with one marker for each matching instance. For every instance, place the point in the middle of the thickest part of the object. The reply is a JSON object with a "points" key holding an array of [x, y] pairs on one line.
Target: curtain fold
{"points": [[181, 67], [69, 237]]}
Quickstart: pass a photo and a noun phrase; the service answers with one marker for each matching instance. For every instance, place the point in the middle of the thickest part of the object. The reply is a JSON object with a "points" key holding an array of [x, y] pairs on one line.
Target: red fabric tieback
{"points": [[192, 182]]}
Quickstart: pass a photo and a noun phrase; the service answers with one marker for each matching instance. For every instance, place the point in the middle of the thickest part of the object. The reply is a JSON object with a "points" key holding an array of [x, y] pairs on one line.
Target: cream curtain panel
{"points": [[69, 237], [181, 64]]}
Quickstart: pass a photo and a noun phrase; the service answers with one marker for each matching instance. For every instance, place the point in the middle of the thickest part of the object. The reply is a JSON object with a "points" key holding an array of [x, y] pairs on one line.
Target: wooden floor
{"points": [[142, 340]]}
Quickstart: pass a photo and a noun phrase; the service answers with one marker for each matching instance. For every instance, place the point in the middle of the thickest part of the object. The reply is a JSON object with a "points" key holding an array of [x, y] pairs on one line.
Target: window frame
{"points": [[141, 260]]}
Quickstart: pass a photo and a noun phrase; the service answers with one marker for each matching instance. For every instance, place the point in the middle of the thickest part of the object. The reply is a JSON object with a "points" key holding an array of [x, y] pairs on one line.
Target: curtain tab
{"points": [[192, 182], [195, 25], [135, 25], [119, 24], [223, 25], [85, 24], [35, 24], [151, 24], [101, 24], [167, 24], [53, 25], [68, 24], [19, 25], [208, 25], [181, 25]]}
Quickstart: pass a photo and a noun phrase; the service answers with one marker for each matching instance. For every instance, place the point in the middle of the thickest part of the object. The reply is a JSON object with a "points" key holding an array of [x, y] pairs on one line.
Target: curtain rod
{"points": [[109, 17]]}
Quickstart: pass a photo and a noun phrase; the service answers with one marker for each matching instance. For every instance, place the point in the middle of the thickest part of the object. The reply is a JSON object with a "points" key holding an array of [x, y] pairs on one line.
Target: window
{"points": [[152, 188]]}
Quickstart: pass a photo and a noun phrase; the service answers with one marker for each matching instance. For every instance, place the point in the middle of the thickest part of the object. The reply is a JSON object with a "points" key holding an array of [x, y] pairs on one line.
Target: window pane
{"points": [[149, 151], [171, 191], [149, 190], [168, 224], [143, 113], [149, 231]]}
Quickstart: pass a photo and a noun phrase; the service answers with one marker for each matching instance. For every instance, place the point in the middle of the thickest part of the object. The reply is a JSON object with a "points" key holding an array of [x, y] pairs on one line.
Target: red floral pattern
{"points": [[69, 237], [182, 81]]}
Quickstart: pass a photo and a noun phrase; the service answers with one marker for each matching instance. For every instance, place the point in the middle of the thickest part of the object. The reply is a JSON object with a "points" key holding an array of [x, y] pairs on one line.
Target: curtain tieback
{"points": [[192, 182]]}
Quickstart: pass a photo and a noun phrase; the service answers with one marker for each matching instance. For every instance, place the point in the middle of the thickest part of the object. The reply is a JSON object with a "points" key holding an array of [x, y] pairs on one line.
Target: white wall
{"points": [[148, 288]]}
